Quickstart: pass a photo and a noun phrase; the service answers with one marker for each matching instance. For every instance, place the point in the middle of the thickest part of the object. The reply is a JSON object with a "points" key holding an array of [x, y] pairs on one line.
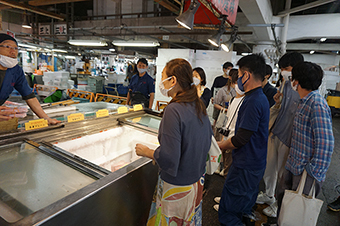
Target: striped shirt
{"points": [[312, 138]]}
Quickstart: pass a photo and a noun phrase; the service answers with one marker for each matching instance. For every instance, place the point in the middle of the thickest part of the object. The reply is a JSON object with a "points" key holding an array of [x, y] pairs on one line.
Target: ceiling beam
{"points": [[170, 6], [304, 7], [51, 2], [31, 9], [313, 46], [3, 7]]}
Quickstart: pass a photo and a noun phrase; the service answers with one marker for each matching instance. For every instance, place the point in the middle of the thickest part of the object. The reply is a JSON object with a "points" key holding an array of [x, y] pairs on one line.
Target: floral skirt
{"points": [[176, 205]]}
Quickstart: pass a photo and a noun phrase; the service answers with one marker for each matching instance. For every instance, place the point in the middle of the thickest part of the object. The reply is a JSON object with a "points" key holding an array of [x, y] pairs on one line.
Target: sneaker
{"points": [[334, 206], [271, 211], [264, 198], [217, 199], [216, 207]]}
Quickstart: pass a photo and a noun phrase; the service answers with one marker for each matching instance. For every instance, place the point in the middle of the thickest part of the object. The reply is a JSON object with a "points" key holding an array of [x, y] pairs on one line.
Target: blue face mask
{"points": [[240, 84]]}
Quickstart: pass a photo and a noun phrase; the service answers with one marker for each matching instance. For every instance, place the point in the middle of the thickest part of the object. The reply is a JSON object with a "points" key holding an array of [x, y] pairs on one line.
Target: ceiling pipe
{"points": [[51, 2]]}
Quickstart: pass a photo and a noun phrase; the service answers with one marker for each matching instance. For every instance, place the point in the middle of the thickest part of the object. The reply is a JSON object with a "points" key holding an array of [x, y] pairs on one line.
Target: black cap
{"points": [[4, 37]]}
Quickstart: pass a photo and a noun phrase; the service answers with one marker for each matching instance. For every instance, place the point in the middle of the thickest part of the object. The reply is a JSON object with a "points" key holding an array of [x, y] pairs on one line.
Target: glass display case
{"points": [[31, 180]]}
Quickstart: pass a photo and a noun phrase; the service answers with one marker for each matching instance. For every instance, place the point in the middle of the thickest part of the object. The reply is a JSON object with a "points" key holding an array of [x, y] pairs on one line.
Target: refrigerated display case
{"points": [[82, 173]]}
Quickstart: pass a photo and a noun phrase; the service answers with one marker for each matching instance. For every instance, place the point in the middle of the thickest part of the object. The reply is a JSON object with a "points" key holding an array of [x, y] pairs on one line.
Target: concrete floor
{"points": [[328, 194]]}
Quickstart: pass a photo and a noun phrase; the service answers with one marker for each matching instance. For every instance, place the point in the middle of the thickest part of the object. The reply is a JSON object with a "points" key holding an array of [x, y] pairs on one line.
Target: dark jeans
{"points": [[239, 195], [290, 181]]}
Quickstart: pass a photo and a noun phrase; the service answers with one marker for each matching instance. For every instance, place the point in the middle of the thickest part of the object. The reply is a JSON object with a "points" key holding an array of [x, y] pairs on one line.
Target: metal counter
{"points": [[122, 197]]}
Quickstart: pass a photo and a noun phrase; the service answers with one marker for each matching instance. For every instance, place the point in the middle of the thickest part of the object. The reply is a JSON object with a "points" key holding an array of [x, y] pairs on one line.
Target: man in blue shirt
{"points": [[249, 146], [281, 133], [267, 88], [142, 86], [12, 76], [312, 138]]}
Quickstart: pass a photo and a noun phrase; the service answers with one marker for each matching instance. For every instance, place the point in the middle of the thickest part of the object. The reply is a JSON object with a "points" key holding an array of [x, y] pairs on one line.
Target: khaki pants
{"points": [[277, 155]]}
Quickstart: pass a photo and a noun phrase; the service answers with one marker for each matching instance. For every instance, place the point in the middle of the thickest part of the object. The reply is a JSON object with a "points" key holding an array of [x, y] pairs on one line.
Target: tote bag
{"points": [[222, 119], [213, 158], [299, 209], [274, 111]]}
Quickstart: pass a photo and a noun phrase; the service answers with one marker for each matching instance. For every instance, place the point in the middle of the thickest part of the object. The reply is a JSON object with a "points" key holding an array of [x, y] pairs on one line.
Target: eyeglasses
{"points": [[10, 47]]}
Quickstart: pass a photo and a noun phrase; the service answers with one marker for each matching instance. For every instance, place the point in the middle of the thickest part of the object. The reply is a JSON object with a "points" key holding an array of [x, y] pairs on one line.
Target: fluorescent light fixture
{"points": [[245, 54], [186, 19], [311, 52], [87, 43], [136, 44], [70, 57], [59, 50], [27, 46], [112, 50], [79, 54], [323, 39]]}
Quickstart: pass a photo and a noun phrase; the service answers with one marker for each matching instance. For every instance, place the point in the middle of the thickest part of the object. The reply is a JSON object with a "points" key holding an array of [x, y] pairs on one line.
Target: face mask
{"points": [[8, 62], [141, 71], [286, 75], [294, 87], [238, 90], [163, 90], [240, 84], [197, 81]]}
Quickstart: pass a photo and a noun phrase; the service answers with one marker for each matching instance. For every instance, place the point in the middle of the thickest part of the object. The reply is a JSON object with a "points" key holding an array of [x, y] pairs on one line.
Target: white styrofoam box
{"points": [[57, 74], [110, 149]]}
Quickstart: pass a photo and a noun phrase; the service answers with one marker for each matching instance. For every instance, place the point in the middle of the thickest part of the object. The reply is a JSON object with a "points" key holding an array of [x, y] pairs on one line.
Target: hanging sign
{"points": [[226, 7], [44, 29], [60, 29]]}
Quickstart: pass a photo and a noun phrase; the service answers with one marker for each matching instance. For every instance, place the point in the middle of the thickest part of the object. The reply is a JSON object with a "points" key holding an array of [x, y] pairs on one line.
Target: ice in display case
{"points": [[31, 180], [111, 149]]}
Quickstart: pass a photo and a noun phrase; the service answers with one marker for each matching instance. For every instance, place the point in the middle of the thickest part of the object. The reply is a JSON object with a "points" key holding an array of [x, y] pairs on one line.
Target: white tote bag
{"points": [[214, 157], [299, 209]]}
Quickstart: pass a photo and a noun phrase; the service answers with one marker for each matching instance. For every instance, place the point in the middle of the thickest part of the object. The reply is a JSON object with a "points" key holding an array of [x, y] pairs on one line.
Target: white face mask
{"points": [[294, 87], [8, 62], [227, 72], [141, 71], [238, 90], [286, 75], [197, 81], [163, 90]]}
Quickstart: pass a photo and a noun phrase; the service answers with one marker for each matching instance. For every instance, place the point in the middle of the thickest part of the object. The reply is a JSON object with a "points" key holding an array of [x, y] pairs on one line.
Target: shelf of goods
{"points": [[79, 173]]}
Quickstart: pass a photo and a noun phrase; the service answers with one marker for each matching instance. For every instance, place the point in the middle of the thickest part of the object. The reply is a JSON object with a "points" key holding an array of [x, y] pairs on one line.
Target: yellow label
{"points": [[122, 110], [36, 124], [102, 113], [137, 107], [136, 119], [75, 117]]}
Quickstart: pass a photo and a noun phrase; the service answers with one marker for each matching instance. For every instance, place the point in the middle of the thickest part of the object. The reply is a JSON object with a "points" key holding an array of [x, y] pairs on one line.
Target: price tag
{"points": [[136, 119], [137, 107], [102, 113], [36, 124], [122, 110], [75, 117]]}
